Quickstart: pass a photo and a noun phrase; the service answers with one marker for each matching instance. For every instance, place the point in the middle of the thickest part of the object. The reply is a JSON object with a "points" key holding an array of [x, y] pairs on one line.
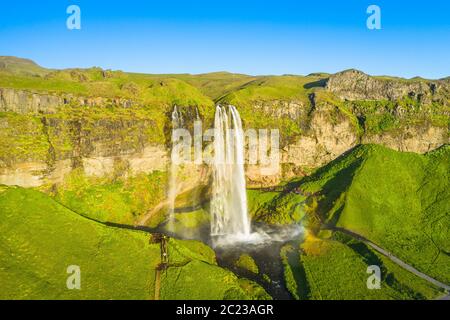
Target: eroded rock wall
{"points": [[41, 142]]}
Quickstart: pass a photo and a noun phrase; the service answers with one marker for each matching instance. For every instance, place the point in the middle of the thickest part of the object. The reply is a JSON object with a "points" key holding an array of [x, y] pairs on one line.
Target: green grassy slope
{"points": [[39, 239], [120, 200], [216, 84], [155, 89], [277, 208], [398, 200], [271, 88], [22, 66], [336, 268]]}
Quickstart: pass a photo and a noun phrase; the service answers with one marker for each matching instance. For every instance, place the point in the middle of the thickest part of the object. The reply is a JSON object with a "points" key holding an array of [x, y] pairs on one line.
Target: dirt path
{"points": [[394, 259]]}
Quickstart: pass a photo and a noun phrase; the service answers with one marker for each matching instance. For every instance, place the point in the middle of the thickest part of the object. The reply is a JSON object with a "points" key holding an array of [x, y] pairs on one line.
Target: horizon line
{"points": [[223, 71]]}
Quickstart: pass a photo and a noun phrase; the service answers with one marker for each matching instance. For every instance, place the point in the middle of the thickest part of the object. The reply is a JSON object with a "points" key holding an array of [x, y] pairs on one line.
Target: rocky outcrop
{"points": [[38, 173], [41, 143], [418, 139], [328, 131], [24, 102], [324, 141], [293, 109], [356, 85]]}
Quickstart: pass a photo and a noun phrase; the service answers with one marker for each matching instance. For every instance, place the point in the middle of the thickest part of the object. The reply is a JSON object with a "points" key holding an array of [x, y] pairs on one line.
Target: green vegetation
{"points": [[326, 269], [246, 262], [294, 273], [394, 276], [397, 200], [21, 139], [31, 137], [21, 66], [95, 82], [40, 239], [377, 116], [285, 88], [120, 200], [274, 207], [216, 84], [263, 103], [190, 224], [258, 199]]}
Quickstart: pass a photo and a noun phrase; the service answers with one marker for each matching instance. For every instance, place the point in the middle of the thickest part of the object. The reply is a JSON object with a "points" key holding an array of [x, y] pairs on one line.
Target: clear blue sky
{"points": [[253, 37]]}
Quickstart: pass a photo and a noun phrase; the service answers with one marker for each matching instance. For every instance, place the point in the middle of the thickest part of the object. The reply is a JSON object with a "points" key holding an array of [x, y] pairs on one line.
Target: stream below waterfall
{"points": [[267, 257], [265, 253]]}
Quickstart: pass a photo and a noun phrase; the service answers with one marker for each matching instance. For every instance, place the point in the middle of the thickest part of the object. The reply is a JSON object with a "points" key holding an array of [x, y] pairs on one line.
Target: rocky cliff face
{"points": [[405, 115], [356, 85], [23, 102], [46, 136], [325, 139]]}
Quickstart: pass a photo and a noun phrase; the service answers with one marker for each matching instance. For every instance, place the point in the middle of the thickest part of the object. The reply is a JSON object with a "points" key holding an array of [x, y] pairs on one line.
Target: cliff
{"points": [[114, 125], [356, 85]]}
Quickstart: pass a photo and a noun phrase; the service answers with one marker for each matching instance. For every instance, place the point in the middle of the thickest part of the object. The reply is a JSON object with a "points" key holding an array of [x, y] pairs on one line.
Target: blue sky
{"points": [[253, 37]]}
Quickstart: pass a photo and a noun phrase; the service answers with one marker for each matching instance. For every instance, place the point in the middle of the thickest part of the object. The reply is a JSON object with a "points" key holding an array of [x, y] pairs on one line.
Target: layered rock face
{"points": [[325, 139], [418, 139], [44, 139], [26, 102], [356, 85], [46, 136], [330, 128], [21, 101]]}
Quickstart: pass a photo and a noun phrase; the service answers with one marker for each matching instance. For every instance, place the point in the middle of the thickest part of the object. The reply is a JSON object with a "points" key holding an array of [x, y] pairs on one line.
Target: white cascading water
{"points": [[229, 216], [230, 223]]}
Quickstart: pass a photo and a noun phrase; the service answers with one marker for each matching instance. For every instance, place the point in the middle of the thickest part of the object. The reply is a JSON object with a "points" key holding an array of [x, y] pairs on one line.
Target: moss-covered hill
{"points": [[397, 200], [40, 239]]}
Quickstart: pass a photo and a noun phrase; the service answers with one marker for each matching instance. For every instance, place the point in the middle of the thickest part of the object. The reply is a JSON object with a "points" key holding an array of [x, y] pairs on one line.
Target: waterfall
{"points": [[229, 216], [230, 223], [177, 122]]}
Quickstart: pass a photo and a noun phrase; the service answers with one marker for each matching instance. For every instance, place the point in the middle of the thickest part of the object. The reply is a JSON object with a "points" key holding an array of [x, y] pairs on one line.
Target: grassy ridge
{"points": [[154, 90], [277, 208], [21, 66], [397, 200], [271, 88]]}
